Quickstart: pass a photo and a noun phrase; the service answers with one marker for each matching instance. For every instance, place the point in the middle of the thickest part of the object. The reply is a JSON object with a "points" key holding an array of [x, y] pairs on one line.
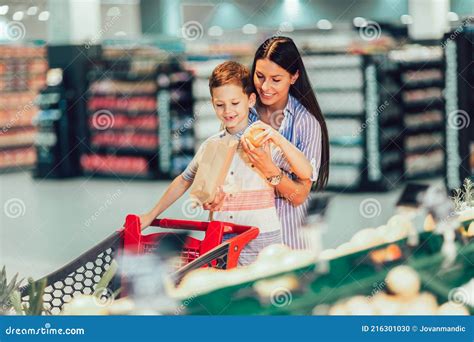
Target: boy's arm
{"points": [[174, 191]]}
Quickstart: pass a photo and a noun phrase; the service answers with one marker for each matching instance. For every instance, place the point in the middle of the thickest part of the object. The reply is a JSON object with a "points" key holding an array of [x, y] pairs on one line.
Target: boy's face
{"points": [[232, 106]]}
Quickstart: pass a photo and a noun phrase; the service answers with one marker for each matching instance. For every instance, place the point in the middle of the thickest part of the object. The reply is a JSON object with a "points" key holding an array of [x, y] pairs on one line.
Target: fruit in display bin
{"points": [[404, 283], [429, 224], [272, 260], [251, 134], [398, 227]]}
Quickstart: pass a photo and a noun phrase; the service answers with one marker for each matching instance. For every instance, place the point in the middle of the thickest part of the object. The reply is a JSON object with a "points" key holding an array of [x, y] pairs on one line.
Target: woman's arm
{"points": [[174, 191], [298, 162], [296, 191]]}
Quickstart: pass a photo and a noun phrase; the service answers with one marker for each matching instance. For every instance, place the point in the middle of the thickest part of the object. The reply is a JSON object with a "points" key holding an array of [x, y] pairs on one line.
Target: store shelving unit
{"points": [[459, 88], [421, 79], [356, 95], [135, 98], [22, 74]]}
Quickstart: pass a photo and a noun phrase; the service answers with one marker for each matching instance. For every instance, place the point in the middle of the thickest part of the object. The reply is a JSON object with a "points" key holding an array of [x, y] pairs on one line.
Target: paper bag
{"points": [[213, 168]]}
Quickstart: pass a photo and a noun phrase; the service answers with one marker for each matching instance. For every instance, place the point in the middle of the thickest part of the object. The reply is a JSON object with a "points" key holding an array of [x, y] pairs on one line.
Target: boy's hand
{"points": [[268, 134], [260, 157], [146, 220], [218, 201]]}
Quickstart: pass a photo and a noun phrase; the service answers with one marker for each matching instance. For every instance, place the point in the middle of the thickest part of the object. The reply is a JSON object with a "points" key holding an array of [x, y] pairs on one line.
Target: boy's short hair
{"points": [[231, 72]]}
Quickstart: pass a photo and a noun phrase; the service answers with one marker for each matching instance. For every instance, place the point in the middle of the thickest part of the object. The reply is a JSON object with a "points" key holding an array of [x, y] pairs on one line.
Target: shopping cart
{"points": [[219, 248]]}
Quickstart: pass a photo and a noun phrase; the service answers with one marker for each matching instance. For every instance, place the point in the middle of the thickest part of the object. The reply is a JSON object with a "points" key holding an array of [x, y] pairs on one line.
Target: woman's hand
{"points": [[260, 157], [269, 133], [146, 220], [218, 201]]}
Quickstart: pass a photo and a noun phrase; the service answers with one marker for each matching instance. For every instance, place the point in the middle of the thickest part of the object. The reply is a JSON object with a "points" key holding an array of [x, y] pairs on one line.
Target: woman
{"points": [[287, 107]]}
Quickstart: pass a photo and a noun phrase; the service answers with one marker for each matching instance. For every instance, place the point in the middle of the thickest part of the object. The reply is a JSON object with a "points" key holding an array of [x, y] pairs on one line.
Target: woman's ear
{"points": [[295, 77], [252, 100]]}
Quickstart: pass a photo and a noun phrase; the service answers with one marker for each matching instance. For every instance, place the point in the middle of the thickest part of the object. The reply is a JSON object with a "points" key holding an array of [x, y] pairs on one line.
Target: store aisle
{"points": [[74, 215]]}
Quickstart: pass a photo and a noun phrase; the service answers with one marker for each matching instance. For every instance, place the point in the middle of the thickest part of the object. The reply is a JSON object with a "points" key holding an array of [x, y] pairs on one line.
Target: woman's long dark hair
{"points": [[283, 51]]}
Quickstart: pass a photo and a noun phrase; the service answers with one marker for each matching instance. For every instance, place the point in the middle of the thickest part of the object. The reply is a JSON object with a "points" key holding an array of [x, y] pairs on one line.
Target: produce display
{"points": [[403, 297], [271, 260], [398, 227]]}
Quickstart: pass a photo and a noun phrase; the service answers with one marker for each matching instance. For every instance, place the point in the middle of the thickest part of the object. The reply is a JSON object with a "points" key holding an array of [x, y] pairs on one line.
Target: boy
{"points": [[253, 200]]}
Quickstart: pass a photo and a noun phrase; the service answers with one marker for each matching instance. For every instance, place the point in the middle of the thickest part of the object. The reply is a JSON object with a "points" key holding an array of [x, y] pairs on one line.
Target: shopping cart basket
{"points": [[82, 274]]}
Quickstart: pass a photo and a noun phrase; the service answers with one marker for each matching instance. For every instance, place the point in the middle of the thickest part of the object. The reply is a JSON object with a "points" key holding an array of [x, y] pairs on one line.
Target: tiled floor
{"points": [[45, 224]]}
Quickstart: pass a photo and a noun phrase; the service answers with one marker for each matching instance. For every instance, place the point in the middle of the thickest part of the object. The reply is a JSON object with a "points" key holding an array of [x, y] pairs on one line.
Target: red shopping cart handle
{"points": [[230, 228], [134, 240]]}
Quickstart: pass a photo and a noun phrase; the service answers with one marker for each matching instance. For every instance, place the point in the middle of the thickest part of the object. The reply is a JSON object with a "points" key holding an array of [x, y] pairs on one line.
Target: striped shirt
{"points": [[302, 129], [249, 200]]}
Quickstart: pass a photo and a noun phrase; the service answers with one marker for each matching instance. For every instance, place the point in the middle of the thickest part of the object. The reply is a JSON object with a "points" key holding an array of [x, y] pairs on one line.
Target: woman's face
{"points": [[272, 82]]}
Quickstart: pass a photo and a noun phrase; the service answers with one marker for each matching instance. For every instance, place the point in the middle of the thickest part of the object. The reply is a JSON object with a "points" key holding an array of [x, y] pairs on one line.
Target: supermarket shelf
{"points": [[123, 111], [422, 150], [129, 129], [184, 151], [425, 104], [125, 176], [17, 168], [424, 129], [124, 151], [23, 75], [425, 175], [121, 95], [421, 64], [121, 75], [343, 115], [18, 127], [21, 58], [422, 84], [14, 147]]}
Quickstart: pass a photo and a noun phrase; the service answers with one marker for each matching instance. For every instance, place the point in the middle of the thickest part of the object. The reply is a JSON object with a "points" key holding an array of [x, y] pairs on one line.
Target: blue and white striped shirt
{"points": [[302, 129]]}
